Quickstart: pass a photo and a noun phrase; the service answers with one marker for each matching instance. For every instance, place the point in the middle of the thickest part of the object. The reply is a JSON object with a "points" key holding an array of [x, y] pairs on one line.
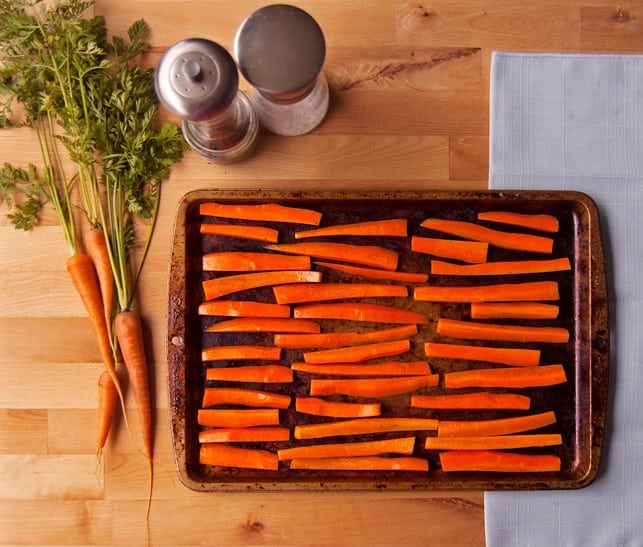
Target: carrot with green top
{"points": [[496, 461], [336, 409], [387, 368], [234, 417], [244, 434], [456, 328], [343, 338], [514, 310], [363, 426], [242, 231], [516, 357], [243, 308], [373, 273], [371, 387], [259, 374], [374, 228], [477, 400], [267, 212], [266, 324], [229, 284], [495, 442], [362, 463], [502, 292], [542, 222], [402, 446], [240, 352], [506, 267], [318, 292], [224, 455], [356, 354], [213, 396], [500, 426], [521, 377], [359, 311], [237, 261], [466, 251]]}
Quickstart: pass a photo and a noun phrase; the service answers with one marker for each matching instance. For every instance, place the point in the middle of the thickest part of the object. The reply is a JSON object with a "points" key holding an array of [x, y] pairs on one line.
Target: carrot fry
{"points": [[467, 251], [359, 311], [242, 231], [221, 286], [356, 354], [270, 212], [107, 402], [403, 277], [513, 310], [234, 417], [476, 400], [362, 463], [402, 445], [243, 308], [240, 352], [231, 261], [500, 426], [544, 375], [372, 387], [508, 267], [511, 333], [261, 374], [336, 409], [317, 292], [488, 460], [367, 255], [235, 456], [339, 339], [266, 324], [389, 368], [247, 397], [496, 442], [363, 426], [542, 222], [505, 240], [244, 435], [519, 357], [503, 292], [377, 228]]}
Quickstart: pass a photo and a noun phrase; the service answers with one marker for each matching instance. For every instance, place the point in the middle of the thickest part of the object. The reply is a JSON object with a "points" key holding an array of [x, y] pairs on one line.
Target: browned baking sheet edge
{"points": [[592, 345]]}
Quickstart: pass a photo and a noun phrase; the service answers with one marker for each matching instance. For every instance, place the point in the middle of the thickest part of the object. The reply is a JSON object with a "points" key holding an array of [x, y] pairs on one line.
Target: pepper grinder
{"points": [[280, 51], [197, 80]]}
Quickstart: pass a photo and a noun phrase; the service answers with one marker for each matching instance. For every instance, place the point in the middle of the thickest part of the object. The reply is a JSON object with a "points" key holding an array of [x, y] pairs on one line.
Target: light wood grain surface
{"points": [[409, 109]]}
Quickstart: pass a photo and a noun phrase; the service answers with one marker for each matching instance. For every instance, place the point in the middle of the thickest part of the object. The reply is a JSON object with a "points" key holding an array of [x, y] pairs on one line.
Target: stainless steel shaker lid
{"points": [[196, 79], [280, 49]]}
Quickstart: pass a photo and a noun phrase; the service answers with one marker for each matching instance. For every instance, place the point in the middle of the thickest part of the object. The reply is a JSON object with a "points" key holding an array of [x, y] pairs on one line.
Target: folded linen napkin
{"points": [[575, 122]]}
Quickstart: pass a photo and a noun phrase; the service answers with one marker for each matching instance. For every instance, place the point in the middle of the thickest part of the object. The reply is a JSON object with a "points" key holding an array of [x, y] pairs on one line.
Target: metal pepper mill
{"points": [[197, 80]]}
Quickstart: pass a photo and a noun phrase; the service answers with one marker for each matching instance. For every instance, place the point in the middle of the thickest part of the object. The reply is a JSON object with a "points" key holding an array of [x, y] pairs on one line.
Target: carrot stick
{"points": [[234, 417], [544, 375], [366, 255], [513, 310], [467, 251], [356, 354], [235, 456], [508, 267], [404, 277], [336, 409], [389, 368], [362, 463], [500, 426], [270, 212], [363, 426], [402, 445], [488, 460], [96, 247], [247, 397], [243, 308], [503, 292], [377, 228], [519, 357], [240, 352], [317, 292], [491, 331], [244, 435], [496, 442], [372, 387], [359, 311], [242, 231], [505, 240], [266, 324], [543, 222], [221, 286], [338, 339], [107, 401], [231, 261], [476, 400], [261, 374]]}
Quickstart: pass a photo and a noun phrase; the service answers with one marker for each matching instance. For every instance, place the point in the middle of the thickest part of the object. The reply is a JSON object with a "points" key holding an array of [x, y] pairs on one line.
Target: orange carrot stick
{"points": [[269, 212], [522, 377], [489, 460], [221, 286], [503, 292], [519, 357], [213, 396], [240, 352], [372, 387], [235, 456], [403, 446], [234, 417], [475, 400], [317, 292], [107, 401], [359, 311], [336, 409], [500, 426], [260, 374], [231, 261], [467, 251], [505, 240], [377, 228], [542, 222], [356, 354], [241, 231], [338, 339], [403, 277], [362, 463], [244, 435], [513, 310], [508, 267], [363, 426], [266, 324], [388, 368], [491, 331], [243, 308], [496, 442]]}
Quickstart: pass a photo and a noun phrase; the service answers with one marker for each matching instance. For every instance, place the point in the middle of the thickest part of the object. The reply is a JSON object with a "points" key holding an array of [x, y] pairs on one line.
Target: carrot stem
{"points": [[489, 460], [317, 292], [466, 251], [518, 357], [336, 409], [356, 354], [403, 446], [521, 377], [500, 426], [511, 333], [476, 400], [503, 292], [224, 455]]}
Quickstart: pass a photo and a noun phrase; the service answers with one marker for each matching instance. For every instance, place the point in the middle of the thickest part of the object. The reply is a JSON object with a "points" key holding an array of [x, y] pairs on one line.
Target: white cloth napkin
{"points": [[575, 122]]}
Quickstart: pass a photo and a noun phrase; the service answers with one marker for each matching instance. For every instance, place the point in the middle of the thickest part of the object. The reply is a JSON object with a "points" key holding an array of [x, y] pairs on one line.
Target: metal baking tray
{"points": [[579, 404]]}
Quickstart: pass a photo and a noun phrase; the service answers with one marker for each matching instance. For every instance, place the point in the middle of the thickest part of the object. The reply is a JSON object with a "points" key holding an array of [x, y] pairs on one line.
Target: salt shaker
{"points": [[280, 50], [197, 80]]}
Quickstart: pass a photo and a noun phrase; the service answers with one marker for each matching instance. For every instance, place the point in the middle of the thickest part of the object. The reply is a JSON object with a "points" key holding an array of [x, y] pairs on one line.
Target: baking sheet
{"points": [[580, 403]]}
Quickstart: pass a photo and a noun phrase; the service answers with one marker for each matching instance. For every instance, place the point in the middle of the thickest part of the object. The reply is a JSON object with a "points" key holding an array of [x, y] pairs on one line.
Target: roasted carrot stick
{"points": [[389, 368], [505, 240], [371, 387], [500, 426], [243, 308], [366, 255], [491, 331], [237, 261], [475, 400], [244, 435], [363, 426], [359, 311], [266, 324], [317, 292], [507, 267], [213, 396], [402, 445], [234, 417], [362, 463], [235, 456], [221, 286], [513, 310], [519, 357], [336, 409], [345, 338], [489, 460], [260, 374], [466, 251], [496, 442], [403, 277], [542, 222], [107, 402], [503, 292], [521, 377], [241, 231], [269, 212], [356, 354], [377, 228], [240, 352]]}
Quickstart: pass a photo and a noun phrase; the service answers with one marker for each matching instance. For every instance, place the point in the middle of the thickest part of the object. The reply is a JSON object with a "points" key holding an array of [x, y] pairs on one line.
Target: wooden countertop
{"points": [[409, 110]]}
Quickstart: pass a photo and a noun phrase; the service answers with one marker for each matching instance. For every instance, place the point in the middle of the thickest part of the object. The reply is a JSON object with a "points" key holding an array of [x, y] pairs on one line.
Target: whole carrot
{"points": [[107, 400], [96, 247]]}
